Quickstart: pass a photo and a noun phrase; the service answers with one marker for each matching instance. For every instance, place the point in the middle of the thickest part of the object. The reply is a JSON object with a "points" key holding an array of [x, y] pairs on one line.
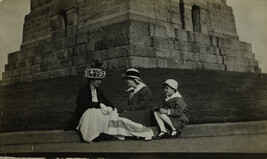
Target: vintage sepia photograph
{"points": [[109, 79]]}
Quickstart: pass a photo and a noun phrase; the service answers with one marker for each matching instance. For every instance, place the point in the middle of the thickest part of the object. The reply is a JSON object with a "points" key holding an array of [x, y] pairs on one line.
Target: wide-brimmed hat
{"points": [[171, 83], [95, 72], [132, 73]]}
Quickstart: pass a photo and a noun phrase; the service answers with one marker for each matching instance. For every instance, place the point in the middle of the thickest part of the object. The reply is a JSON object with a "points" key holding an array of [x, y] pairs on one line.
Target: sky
{"points": [[250, 16], [251, 23], [12, 14]]}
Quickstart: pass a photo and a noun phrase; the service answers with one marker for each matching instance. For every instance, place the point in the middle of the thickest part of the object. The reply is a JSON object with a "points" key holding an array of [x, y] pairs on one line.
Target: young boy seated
{"points": [[174, 112]]}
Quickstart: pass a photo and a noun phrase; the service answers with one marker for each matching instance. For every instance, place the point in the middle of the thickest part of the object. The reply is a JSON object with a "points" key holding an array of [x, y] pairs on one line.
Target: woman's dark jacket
{"points": [[139, 108]]}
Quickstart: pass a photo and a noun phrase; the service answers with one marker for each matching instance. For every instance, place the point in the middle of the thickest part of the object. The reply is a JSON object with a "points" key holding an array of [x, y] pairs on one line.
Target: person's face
{"points": [[96, 82], [130, 82], [168, 90]]}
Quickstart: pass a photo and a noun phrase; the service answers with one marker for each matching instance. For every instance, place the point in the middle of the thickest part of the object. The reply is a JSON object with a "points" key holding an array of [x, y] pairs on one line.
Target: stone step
{"points": [[190, 131]]}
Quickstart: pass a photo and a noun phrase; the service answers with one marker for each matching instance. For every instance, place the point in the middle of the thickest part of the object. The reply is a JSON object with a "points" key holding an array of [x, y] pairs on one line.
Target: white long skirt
{"points": [[93, 122], [119, 126]]}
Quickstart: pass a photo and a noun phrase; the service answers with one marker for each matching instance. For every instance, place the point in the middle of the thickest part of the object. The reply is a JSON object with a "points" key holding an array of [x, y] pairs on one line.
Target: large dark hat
{"points": [[94, 71], [132, 73]]}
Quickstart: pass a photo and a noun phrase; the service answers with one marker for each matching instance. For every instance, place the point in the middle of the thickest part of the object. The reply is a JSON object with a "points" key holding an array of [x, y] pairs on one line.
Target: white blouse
{"points": [[94, 94]]}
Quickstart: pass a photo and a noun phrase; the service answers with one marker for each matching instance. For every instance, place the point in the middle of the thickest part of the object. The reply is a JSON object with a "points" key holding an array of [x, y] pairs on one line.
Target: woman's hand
{"points": [[105, 112], [103, 106], [104, 109], [163, 111], [109, 110]]}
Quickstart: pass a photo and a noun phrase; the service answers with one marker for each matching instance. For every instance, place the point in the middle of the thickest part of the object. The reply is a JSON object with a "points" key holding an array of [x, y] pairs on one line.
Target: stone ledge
{"points": [[199, 130]]}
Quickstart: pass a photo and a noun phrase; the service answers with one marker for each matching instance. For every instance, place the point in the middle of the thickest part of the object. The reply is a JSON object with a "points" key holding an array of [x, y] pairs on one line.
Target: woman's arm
{"points": [[84, 102], [104, 100], [143, 101]]}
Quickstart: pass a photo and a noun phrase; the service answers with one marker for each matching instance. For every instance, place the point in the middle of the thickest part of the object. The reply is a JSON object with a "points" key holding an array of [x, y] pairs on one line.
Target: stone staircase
{"points": [[212, 97]]}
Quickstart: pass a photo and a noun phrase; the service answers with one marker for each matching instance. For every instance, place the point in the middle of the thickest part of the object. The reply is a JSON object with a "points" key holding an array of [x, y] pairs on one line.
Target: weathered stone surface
{"points": [[182, 36], [182, 46], [48, 47], [162, 53], [111, 42], [65, 72], [214, 41], [20, 55], [117, 29], [90, 47], [118, 63], [140, 40], [160, 31], [122, 51], [49, 65], [138, 50], [82, 38], [213, 66], [27, 62], [78, 60], [12, 56], [66, 62], [95, 35], [29, 52], [189, 35], [64, 53], [35, 68], [69, 42], [224, 43], [79, 50], [37, 59], [193, 47], [77, 70], [119, 41], [107, 54], [143, 62], [138, 27], [50, 56]]}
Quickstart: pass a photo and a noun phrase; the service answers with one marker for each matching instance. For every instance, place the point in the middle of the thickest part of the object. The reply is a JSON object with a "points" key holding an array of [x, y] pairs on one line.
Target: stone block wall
{"points": [[61, 38], [37, 25]]}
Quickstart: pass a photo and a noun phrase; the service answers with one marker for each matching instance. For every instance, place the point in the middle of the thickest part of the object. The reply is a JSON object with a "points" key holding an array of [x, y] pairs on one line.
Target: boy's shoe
{"points": [[162, 135], [175, 134]]}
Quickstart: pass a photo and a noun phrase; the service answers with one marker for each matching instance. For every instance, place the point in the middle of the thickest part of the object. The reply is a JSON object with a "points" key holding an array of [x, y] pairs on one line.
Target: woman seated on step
{"points": [[174, 111], [90, 95], [100, 115], [140, 107]]}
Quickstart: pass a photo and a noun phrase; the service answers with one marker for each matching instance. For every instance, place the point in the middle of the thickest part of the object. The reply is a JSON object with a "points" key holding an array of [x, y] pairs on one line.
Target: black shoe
{"points": [[162, 135], [175, 134]]}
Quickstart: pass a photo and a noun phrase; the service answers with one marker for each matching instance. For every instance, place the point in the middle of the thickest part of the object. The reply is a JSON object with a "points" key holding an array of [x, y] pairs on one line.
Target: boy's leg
{"points": [[165, 118], [160, 122]]}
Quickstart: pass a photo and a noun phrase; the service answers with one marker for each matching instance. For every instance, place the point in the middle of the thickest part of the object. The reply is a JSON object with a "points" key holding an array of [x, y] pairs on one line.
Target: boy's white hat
{"points": [[172, 83]]}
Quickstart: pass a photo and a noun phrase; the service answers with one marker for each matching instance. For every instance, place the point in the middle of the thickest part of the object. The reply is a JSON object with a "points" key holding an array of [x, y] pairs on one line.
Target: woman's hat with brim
{"points": [[95, 72], [171, 83], [132, 73]]}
